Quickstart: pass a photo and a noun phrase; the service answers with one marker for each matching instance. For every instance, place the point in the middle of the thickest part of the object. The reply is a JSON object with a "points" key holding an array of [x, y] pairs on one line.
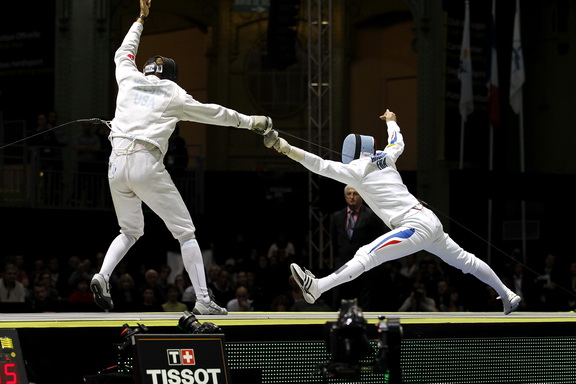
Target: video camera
{"points": [[349, 345], [187, 323]]}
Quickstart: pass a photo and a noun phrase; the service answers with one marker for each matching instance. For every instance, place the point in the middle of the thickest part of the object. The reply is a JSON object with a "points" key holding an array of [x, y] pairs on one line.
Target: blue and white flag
{"points": [[465, 70], [517, 66]]}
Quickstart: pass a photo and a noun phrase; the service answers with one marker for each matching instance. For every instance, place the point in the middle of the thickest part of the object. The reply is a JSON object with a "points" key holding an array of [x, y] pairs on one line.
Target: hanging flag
{"points": [[465, 70], [493, 90], [517, 66]]}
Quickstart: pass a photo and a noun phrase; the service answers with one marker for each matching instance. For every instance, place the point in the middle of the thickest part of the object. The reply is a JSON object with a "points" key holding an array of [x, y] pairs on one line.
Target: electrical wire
{"points": [[94, 121]]}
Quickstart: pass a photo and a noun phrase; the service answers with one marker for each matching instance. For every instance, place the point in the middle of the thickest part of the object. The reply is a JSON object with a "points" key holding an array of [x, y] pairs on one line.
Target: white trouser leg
{"points": [[194, 265], [485, 274], [349, 271], [117, 250]]}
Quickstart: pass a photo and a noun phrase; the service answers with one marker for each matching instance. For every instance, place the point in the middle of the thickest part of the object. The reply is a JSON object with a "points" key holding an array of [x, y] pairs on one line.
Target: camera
{"points": [[351, 351], [347, 342], [189, 324]]}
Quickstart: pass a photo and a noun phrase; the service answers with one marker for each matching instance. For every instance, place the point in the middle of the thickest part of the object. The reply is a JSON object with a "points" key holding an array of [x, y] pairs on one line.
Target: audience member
{"points": [[182, 281], [282, 248], [454, 304], [523, 286], [148, 301], [58, 281], [72, 265], [173, 303], [222, 288], [82, 293], [84, 270], [409, 266], [125, 294], [280, 303], [164, 275], [256, 292], [212, 273], [40, 300], [11, 290], [549, 297], [442, 294], [46, 279], [39, 269], [152, 281], [418, 301], [431, 274], [19, 261], [241, 302], [352, 227], [230, 267]]}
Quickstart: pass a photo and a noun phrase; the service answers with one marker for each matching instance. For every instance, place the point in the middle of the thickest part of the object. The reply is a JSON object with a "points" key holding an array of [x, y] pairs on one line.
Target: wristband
{"points": [[143, 17]]}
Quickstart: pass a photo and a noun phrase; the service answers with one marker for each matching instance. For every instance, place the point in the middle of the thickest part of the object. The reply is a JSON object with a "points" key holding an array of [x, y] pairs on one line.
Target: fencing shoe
{"points": [[307, 282], [211, 308], [511, 303], [261, 124], [101, 290]]}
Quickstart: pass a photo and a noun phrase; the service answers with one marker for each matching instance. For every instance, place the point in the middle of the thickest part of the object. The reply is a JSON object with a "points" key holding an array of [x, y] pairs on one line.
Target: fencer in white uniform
{"points": [[148, 106], [415, 227]]}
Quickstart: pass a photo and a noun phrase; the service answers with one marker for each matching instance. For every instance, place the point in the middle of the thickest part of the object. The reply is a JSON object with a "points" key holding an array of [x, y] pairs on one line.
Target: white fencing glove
{"points": [[271, 140], [260, 124]]}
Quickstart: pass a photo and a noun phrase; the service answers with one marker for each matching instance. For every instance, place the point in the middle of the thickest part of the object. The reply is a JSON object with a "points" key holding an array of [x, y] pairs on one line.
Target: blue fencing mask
{"points": [[357, 146]]}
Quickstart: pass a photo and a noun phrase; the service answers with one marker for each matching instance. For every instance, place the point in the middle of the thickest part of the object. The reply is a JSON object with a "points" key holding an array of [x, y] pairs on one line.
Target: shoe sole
{"points": [[99, 298]]}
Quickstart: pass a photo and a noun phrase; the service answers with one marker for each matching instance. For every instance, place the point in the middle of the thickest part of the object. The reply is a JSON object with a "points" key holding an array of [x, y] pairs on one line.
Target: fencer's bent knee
{"points": [[472, 264], [131, 238], [365, 258], [186, 237]]}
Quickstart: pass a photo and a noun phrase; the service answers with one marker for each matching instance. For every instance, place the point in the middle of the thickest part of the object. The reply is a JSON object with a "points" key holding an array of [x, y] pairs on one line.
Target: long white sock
{"points": [[488, 276], [349, 271], [117, 250], [192, 256]]}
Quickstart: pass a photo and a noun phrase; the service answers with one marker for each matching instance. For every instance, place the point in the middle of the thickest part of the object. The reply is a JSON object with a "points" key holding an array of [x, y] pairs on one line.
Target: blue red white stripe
{"points": [[395, 238]]}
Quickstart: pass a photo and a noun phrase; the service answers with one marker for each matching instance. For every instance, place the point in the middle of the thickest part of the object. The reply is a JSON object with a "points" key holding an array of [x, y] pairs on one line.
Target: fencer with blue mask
{"points": [[414, 227]]}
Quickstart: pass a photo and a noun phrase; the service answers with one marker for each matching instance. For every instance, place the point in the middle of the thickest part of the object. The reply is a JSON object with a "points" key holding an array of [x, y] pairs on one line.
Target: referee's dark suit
{"points": [[366, 229]]}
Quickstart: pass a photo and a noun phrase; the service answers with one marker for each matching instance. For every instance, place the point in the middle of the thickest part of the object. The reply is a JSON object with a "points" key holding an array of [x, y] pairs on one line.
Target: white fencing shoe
{"points": [[101, 290], [307, 282], [211, 308], [511, 303]]}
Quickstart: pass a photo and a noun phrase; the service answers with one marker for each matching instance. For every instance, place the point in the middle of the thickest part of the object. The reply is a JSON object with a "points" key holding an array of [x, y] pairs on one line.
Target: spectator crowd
{"points": [[259, 280]]}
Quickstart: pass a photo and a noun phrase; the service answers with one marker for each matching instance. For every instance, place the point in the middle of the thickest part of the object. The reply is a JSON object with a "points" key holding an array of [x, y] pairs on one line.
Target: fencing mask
{"points": [[163, 67], [357, 146]]}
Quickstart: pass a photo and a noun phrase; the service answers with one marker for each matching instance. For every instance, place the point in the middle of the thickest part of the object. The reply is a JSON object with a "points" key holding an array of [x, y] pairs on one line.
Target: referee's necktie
{"points": [[351, 223]]}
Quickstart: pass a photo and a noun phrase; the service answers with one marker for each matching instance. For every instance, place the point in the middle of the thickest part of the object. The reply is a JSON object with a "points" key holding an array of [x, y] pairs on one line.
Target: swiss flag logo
{"points": [[188, 357]]}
